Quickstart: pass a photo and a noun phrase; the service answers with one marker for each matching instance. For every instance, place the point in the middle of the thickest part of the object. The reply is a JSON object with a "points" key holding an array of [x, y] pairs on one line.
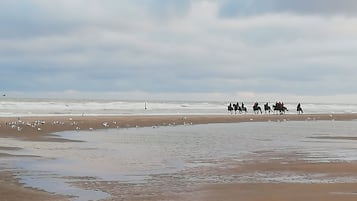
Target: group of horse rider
{"points": [[279, 107]]}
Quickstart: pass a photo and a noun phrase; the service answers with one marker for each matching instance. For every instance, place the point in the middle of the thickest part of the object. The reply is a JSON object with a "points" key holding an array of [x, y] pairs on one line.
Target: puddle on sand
{"points": [[61, 186], [32, 173]]}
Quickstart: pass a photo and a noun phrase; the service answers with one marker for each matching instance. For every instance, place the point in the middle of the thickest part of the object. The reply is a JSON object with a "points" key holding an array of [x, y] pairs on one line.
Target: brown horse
{"points": [[280, 108]]}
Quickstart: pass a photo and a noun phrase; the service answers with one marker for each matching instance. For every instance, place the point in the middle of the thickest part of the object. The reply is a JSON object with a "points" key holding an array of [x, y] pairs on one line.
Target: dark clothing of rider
{"points": [[298, 106]]}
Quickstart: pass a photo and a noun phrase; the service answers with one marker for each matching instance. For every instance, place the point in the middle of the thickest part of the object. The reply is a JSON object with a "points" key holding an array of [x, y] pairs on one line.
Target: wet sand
{"points": [[39, 128], [265, 191], [35, 128], [273, 192], [11, 190]]}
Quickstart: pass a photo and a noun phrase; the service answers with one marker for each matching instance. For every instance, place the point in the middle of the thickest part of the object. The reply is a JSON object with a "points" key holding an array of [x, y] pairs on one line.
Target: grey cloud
{"points": [[27, 19], [131, 51], [230, 8], [168, 8]]}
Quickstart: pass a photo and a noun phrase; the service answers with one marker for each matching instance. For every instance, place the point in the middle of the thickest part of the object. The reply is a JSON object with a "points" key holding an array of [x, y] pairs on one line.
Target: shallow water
{"points": [[135, 155]]}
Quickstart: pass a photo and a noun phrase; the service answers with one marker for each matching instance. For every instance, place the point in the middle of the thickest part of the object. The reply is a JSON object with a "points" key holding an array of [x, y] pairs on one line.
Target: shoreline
{"points": [[39, 128]]}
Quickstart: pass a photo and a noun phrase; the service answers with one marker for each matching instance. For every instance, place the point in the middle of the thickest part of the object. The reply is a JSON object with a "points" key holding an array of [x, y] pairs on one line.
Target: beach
{"points": [[191, 100], [39, 128]]}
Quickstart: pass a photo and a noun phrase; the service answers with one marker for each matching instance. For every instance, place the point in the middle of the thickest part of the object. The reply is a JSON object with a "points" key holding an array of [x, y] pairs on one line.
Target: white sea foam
{"points": [[53, 107]]}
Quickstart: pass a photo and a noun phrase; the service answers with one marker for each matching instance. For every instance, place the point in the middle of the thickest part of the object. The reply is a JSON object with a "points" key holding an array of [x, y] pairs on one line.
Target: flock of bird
{"points": [[37, 125], [19, 124], [40, 125]]}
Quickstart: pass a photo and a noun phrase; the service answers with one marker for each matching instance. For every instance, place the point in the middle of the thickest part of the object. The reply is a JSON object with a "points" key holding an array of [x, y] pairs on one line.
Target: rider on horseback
{"points": [[256, 108], [299, 109], [267, 108]]}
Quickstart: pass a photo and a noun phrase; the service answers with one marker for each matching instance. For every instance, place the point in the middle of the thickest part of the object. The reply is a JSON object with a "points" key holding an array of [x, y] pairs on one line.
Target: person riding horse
{"points": [[257, 108], [236, 108], [230, 108], [242, 108], [267, 108], [299, 109], [279, 107]]}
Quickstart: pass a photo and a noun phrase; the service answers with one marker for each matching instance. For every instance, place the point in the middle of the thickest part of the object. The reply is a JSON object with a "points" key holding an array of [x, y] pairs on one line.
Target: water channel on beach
{"points": [[136, 155]]}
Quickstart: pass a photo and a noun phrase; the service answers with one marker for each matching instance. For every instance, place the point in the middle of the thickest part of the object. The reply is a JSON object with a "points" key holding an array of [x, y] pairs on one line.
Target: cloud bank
{"points": [[301, 7], [303, 48]]}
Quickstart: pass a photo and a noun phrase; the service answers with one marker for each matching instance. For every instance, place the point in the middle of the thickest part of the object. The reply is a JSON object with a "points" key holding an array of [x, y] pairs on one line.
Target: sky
{"points": [[180, 49]]}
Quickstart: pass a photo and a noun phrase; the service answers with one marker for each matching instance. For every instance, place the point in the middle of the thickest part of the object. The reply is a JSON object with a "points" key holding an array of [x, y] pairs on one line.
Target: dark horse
{"points": [[267, 108], [230, 108], [280, 108], [299, 109], [236, 108], [257, 108], [242, 108]]}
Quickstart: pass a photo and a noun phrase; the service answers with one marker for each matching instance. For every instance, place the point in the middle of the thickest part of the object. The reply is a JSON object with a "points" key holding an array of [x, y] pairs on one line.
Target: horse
{"points": [[243, 108], [280, 108], [257, 109], [299, 109], [236, 108], [267, 108], [230, 108]]}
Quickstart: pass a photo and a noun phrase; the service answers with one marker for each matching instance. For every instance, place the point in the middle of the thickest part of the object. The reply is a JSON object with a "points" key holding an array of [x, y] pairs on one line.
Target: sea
{"points": [[11, 107]]}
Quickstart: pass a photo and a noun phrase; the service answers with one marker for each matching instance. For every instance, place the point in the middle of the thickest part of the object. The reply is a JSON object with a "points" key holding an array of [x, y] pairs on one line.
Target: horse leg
{"points": [[301, 111]]}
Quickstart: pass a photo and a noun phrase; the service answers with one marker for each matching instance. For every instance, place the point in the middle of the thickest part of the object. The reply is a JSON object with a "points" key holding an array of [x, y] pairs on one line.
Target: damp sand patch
{"points": [[334, 137]]}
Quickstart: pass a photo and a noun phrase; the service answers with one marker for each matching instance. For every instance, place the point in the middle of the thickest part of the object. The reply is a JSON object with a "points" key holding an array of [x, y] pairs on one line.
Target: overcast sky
{"points": [[179, 49]]}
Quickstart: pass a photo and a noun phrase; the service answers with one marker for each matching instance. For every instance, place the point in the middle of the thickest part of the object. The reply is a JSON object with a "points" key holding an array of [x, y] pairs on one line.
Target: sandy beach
{"points": [[271, 191], [35, 128], [39, 128]]}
